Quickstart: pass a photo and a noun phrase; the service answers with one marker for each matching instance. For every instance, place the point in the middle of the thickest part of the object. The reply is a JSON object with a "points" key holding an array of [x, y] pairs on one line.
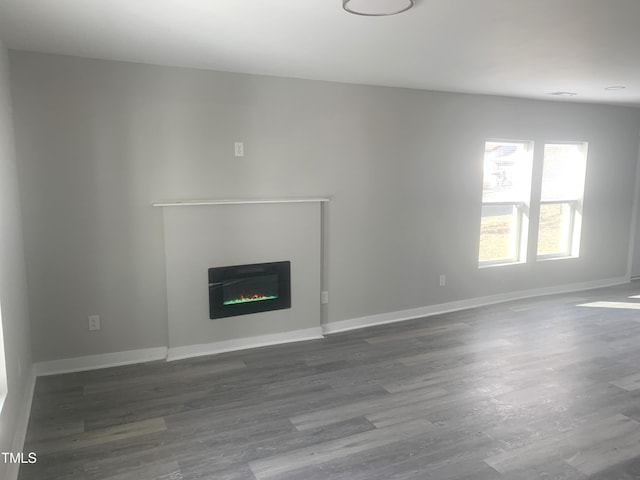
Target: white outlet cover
{"points": [[94, 322], [239, 149]]}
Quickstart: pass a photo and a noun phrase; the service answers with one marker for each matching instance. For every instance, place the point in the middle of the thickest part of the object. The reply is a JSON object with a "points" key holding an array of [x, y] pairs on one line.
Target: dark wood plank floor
{"points": [[543, 388]]}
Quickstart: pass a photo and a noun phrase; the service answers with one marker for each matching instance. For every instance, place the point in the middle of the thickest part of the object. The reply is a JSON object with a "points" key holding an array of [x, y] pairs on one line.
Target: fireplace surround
{"points": [[243, 289], [217, 233]]}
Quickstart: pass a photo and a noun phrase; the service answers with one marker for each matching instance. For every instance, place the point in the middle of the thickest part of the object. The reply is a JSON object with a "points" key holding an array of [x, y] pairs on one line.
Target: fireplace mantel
{"points": [[238, 201]]}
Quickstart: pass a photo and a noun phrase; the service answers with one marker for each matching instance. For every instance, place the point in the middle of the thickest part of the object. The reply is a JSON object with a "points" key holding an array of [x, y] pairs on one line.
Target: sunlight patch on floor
{"points": [[627, 305]]}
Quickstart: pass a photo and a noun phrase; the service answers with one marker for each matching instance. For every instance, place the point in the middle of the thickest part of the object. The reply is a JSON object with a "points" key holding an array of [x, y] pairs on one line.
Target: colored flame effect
{"points": [[251, 298]]}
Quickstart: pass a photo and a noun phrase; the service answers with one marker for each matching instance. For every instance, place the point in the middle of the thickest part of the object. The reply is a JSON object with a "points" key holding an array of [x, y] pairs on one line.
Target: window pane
{"points": [[563, 171], [554, 232], [499, 235], [507, 171]]}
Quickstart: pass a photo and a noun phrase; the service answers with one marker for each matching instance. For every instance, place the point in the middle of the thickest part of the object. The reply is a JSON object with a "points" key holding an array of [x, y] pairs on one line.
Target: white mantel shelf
{"points": [[238, 201]]}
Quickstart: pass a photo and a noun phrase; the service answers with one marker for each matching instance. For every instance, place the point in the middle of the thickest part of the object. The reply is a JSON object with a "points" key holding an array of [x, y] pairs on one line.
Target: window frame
{"points": [[523, 209], [575, 206], [528, 212]]}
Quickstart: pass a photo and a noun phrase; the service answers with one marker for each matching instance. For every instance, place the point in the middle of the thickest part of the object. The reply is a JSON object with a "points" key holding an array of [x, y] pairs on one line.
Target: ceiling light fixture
{"points": [[563, 94], [615, 87], [377, 8]]}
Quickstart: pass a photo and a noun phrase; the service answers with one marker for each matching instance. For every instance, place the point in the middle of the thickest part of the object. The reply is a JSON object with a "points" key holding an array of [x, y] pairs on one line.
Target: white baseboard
{"points": [[22, 422], [93, 362], [402, 315], [188, 351]]}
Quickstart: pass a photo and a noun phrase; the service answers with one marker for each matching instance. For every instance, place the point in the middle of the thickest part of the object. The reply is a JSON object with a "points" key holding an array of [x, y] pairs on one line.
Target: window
{"points": [[505, 198], [508, 180], [560, 218]]}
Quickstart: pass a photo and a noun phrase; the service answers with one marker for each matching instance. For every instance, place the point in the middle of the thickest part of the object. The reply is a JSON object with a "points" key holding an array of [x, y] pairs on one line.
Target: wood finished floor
{"points": [[542, 388]]}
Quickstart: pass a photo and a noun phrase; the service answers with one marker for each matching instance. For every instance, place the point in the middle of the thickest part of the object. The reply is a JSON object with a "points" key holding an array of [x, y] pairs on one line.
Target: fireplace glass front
{"points": [[244, 289]]}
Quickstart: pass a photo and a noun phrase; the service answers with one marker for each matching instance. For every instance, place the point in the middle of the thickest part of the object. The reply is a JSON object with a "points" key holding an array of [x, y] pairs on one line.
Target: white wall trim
{"points": [[22, 422], [93, 362], [399, 316], [631, 271], [188, 351]]}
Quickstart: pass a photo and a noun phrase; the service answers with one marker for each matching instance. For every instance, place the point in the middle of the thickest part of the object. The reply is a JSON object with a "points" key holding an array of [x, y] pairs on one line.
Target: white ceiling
{"points": [[524, 48]]}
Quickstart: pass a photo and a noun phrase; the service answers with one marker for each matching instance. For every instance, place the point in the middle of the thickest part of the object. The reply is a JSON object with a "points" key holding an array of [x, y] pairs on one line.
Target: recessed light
{"points": [[564, 94], [615, 87]]}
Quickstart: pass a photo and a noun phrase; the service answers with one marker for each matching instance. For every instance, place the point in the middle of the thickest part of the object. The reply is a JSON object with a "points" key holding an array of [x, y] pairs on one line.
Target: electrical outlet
{"points": [[443, 280], [324, 297], [239, 149], [94, 322]]}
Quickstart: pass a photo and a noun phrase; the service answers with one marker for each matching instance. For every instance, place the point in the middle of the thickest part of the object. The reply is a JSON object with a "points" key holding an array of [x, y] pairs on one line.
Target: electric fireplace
{"points": [[243, 289]]}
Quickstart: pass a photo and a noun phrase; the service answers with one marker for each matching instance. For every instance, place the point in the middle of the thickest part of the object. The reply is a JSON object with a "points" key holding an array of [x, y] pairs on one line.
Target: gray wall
{"points": [[99, 141], [13, 289]]}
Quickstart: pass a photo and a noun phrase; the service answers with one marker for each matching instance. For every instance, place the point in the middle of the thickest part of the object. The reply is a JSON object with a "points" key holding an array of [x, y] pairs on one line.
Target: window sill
{"points": [[501, 264], [548, 258]]}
